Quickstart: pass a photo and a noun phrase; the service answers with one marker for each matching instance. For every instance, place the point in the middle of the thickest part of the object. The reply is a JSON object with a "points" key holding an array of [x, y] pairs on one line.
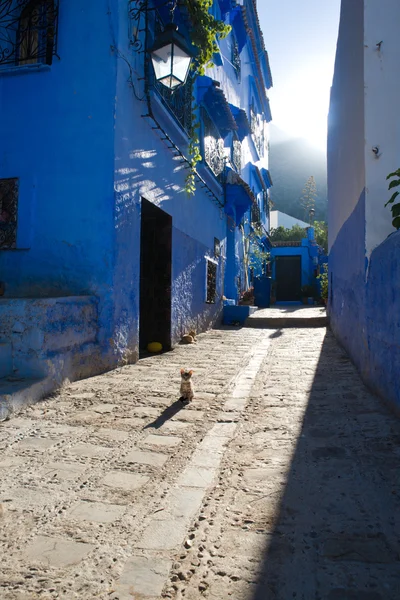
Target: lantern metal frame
{"points": [[169, 37]]}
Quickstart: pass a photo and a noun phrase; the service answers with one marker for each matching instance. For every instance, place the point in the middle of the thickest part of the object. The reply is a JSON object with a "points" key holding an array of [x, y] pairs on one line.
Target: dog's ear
{"points": [[190, 372], [182, 371]]}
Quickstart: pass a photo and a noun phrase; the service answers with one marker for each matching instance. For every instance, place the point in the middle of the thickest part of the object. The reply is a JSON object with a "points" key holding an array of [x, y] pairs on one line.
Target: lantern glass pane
{"points": [[181, 63], [170, 82], [161, 60]]}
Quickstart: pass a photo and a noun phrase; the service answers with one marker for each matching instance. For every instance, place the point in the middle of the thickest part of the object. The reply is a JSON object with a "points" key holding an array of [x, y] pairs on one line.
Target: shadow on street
{"points": [[167, 414], [337, 531]]}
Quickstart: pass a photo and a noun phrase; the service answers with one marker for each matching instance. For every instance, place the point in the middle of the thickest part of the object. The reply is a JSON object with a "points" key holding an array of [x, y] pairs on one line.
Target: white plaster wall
{"points": [[280, 219], [382, 112], [346, 174]]}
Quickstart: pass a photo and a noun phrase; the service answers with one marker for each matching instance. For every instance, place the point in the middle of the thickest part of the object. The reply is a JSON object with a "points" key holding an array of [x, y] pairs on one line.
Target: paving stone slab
{"points": [[143, 577], [198, 477], [40, 444], [236, 404], [146, 411], [19, 423], [207, 459], [153, 459], [62, 470], [159, 400], [164, 535], [174, 426], [105, 409], [163, 440], [223, 430], [86, 416], [189, 415], [56, 552], [98, 512], [372, 549], [89, 450], [130, 423], [113, 435], [28, 498], [181, 502], [125, 481], [11, 461]]}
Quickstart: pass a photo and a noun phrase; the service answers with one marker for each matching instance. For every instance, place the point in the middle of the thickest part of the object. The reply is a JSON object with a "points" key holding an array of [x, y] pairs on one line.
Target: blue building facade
{"points": [[94, 159], [294, 266]]}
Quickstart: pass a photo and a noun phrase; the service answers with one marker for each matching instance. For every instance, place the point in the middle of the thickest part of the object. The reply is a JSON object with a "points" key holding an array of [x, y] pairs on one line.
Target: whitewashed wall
{"points": [[382, 112], [280, 219]]}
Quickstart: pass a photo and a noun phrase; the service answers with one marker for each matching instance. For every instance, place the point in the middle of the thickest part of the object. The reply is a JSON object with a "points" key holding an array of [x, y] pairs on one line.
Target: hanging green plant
{"points": [[395, 208], [205, 32]]}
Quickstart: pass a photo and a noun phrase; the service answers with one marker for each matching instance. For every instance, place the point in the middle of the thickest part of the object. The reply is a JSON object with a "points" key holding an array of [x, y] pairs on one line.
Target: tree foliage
{"points": [[321, 234], [282, 234], [307, 199], [395, 208]]}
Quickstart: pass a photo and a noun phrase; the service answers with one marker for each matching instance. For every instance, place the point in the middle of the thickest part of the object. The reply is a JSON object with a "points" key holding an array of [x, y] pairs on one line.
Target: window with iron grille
{"points": [[236, 152], [8, 213], [28, 32], [255, 214], [211, 281], [213, 145], [217, 247], [257, 129], [179, 101], [235, 56]]}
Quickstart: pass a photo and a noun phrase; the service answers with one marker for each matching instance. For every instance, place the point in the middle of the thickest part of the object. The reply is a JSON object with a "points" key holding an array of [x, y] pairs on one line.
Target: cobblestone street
{"points": [[280, 480]]}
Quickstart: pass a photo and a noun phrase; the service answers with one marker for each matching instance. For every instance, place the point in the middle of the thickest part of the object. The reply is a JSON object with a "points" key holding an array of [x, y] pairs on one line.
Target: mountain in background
{"points": [[291, 162]]}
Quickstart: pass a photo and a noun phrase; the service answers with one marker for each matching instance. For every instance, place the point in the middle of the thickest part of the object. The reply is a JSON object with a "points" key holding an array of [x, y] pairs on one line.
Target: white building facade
{"points": [[363, 148]]}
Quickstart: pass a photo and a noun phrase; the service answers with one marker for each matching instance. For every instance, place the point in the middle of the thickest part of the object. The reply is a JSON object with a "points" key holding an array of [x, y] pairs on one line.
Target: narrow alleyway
{"points": [[279, 481]]}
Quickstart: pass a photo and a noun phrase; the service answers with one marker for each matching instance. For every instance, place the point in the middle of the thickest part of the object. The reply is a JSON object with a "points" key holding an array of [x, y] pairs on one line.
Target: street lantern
{"points": [[312, 213], [171, 57]]}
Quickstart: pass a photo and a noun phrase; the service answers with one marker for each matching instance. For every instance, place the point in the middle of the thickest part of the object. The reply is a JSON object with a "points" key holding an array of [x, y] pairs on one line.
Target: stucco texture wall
{"points": [[346, 185], [189, 307], [383, 320], [56, 133], [56, 129], [145, 168], [363, 263]]}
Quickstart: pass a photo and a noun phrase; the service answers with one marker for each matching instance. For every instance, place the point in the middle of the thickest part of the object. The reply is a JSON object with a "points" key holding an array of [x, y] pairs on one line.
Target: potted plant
{"points": [[248, 298], [323, 279]]}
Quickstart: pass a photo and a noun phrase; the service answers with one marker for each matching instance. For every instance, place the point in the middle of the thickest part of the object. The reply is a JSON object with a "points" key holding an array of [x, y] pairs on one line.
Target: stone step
{"points": [[282, 317], [283, 323], [16, 392]]}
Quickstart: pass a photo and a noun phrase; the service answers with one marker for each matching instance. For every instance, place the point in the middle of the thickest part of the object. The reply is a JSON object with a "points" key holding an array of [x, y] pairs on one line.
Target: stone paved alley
{"points": [[279, 481]]}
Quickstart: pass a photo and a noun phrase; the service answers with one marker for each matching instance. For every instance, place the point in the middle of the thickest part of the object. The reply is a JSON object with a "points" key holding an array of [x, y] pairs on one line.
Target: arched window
{"points": [[36, 33]]}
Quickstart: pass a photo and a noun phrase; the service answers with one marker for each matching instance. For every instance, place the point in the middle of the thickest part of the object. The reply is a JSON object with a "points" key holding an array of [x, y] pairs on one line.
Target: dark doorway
{"points": [[155, 276], [288, 277]]}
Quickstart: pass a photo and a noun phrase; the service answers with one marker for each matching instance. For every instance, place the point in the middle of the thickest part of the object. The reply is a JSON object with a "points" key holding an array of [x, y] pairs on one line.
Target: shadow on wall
{"points": [[334, 535]]}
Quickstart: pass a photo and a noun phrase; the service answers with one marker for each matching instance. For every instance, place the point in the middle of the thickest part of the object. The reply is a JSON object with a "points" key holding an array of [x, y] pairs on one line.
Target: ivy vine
{"points": [[206, 30], [395, 208]]}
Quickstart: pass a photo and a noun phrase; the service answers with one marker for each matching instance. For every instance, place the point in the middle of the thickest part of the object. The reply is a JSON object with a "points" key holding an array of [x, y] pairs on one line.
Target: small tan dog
{"points": [[189, 338], [186, 389]]}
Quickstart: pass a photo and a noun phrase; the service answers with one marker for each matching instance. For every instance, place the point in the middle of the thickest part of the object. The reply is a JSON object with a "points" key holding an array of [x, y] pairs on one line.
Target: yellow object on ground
{"points": [[154, 347]]}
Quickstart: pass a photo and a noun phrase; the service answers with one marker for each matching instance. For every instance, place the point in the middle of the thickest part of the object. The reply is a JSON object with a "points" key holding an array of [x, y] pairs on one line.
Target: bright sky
{"points": [[300, 36]]}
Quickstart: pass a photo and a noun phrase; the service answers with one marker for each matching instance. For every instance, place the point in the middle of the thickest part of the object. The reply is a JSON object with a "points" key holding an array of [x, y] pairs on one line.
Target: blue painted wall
{"points": [[56, 132], [381, 370], [75, 135]]}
